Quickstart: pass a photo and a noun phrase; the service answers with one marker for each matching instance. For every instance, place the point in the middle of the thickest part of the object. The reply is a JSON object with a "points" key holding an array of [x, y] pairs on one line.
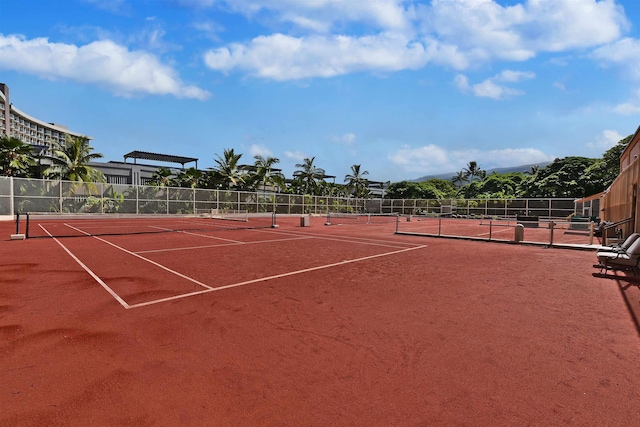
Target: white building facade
{"points": [[17, 124]]}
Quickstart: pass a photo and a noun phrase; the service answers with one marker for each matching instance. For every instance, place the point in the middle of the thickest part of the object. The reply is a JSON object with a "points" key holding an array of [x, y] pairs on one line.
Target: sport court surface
{"points": [[319, 325]]}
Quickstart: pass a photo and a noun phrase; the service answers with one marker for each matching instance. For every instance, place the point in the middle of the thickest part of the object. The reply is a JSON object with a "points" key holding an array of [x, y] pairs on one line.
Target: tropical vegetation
{"points": [[564, 177]]}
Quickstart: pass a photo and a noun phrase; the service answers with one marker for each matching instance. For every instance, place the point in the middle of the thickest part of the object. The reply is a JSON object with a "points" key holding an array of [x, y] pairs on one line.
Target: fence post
{"points": [[11, 201], [551, 228]]}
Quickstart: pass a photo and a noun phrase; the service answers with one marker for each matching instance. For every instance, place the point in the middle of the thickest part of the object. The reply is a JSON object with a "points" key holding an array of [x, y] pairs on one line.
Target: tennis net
{"points": [[37, 225], [342, 218]]}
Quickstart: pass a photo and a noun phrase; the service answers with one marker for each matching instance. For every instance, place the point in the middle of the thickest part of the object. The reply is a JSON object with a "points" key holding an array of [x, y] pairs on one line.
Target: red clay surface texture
{"points": [[312, 326]]}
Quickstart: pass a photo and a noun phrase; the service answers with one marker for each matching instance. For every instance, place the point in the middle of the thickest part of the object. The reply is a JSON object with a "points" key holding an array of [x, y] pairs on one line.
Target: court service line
{"points": [[347, 239], [196, 234], [222, 245], [190, 279], [278, 276], [88, 270]]}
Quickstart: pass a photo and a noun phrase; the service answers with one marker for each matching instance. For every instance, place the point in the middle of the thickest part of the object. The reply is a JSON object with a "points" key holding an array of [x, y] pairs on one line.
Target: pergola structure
{"points": [[159, 157]]}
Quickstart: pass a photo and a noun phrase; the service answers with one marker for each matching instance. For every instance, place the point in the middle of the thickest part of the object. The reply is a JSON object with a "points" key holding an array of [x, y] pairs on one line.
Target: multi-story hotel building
{"points": [[41, 135], [17, 124]]}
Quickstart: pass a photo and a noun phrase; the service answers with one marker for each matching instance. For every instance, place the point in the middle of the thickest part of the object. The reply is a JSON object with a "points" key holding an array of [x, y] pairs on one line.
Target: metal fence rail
{"points": [[544, 231], [37, 195]]}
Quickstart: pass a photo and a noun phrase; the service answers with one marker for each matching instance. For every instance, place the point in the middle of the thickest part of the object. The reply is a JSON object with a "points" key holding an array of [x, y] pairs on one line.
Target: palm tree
{"points": [[356, 183], [16, 157], [309, 176], [228, 172], [191, 178], [459, 178], [264, 174], [473, 171], [71, 161], [162, 178]]}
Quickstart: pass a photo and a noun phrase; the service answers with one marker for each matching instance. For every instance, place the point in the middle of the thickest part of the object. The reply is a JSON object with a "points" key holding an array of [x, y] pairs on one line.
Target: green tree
{"points": [[71, 161], [357, 184], [444, 187], [16, 158], [264, 174], [309, 178], [191, 178], [413, 190], [495, 185], [227, 173], [460, 178], [162, 177], [473, 171], [603, 172], [561, 178]]}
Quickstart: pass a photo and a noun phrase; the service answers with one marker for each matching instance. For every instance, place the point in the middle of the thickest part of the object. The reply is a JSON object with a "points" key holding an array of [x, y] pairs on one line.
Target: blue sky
{"points": [[403, 88]]}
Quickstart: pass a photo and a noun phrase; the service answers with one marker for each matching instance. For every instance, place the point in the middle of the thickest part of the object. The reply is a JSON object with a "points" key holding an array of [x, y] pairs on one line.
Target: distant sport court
{"points": [[291, 320]]}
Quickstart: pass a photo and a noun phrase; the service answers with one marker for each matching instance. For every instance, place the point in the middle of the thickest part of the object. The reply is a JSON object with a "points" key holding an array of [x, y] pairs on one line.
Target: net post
{"points": [[26, 228], [328, 222], [19, 236], [273, 220]]}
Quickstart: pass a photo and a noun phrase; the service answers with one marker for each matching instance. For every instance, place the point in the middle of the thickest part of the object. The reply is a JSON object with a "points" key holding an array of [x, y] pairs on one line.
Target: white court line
{"points": [[347, 239], [277, 276], [196, 234], [221, 245], [144, 259], [88, 270]]}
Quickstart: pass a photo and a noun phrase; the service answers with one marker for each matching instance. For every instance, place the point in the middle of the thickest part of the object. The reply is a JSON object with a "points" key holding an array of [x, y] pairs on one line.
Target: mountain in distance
{"points": [[449, 175]]}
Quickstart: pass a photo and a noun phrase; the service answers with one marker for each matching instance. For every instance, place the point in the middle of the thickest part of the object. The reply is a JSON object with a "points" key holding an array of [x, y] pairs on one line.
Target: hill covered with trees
{"points": [[566, 177]]}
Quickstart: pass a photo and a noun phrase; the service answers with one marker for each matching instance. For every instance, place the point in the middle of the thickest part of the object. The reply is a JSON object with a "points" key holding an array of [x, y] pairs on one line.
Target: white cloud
{"points": [[429, 157], [260, 150], [560, 86], [623, 54], [462, 82], [103, 62], [628, 108], [402, 34], [318, 15], [432, 159], [485, 30], [606, 140], [491, 87], [298, 156], [281, 57], [346, 139], [210, 29], [631, 106]]}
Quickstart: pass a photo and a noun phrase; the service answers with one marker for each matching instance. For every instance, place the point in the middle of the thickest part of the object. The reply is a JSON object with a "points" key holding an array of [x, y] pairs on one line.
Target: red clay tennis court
{"points": [[166, 323]]}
